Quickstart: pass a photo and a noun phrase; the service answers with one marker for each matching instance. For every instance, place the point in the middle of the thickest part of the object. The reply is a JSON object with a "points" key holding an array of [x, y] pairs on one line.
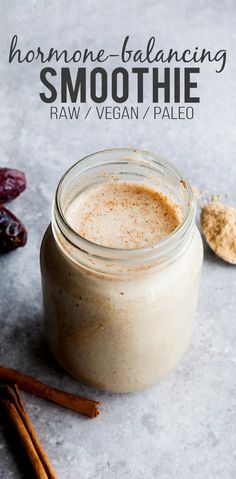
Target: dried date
{"points": [[12, 232], [12, 183]]}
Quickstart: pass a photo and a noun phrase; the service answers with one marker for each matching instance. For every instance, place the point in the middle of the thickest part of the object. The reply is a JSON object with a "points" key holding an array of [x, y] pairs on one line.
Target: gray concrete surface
{"points": [[184, 427]]}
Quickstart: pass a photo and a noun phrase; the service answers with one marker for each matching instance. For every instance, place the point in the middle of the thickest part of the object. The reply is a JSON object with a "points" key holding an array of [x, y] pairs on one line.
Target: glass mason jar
{"points": [[117, 319]]}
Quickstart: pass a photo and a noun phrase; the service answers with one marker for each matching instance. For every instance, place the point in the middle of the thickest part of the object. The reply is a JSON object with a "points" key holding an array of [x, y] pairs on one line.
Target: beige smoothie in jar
{"points": [[120, 270], [123, 215]]}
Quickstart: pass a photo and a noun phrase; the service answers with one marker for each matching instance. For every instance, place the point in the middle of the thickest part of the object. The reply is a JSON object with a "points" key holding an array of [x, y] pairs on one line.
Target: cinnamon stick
{"points": [[88, 407], [16, 415]]}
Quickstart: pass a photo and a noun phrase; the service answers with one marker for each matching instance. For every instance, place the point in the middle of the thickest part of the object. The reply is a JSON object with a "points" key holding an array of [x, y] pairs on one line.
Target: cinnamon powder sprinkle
{"points": [[218, 223]]}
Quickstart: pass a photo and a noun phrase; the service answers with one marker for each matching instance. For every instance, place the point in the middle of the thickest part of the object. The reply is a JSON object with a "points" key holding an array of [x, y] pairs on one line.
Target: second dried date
{"points": [[12, 232]]}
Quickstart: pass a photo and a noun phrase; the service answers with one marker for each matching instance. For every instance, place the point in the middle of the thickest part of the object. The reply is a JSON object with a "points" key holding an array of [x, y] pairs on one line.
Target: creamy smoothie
{"points": [[123, 215], [119, 316]]}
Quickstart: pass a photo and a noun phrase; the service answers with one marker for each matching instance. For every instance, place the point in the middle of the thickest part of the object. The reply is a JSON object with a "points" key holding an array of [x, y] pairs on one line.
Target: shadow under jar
{"points": [[120, 319]]}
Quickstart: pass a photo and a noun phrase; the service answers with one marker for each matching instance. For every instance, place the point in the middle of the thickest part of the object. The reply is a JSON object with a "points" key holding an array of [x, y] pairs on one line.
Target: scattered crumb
{"points": [[216, 198], [218, 223], [204, 197]]}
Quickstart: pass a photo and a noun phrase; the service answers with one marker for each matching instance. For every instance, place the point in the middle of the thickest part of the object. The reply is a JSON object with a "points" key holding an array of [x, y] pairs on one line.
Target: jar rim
{"points": [[118, 254]]}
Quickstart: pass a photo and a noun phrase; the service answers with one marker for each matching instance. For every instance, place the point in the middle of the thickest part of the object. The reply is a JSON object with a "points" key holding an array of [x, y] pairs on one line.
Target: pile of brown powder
{"points": [[218, 223]]}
